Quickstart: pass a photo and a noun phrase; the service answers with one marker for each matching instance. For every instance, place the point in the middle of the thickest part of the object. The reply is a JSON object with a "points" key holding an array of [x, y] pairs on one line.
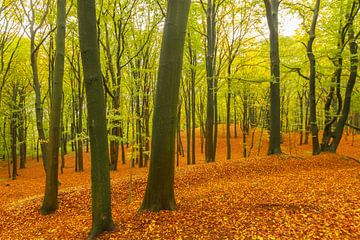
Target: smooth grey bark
{"points": [[159, 193], [272, 9], [95, 96], [50, 202]]}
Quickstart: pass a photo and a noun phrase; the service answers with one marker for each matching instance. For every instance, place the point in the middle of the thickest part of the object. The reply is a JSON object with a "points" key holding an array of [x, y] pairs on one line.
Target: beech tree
{"points": [[272, 9], [50, 202], [159, 193], [347, 37], [36, 22], [312, 80], [100, 171], [210, 10]]}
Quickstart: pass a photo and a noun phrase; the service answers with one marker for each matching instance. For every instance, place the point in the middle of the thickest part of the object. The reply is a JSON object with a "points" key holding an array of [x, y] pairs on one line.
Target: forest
{"points": [[179, 119]]}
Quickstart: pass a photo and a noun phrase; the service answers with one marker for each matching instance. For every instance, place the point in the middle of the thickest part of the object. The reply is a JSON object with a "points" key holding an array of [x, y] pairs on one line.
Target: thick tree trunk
{"points": [[100, 172], [50, 202], [159, 193], [275, 123]]}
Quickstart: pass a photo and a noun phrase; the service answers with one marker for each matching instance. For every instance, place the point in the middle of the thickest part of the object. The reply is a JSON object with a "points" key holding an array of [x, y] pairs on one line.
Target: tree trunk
{"points": [[354, 62], [114, 144], [235, 118], [159, 193], [301, 105], [192, 98], [100, 172], [22, 129], [275, 128], [307, 120], [312, 78], [38, 104], [210, 73], [79, 125], [13, 128], [228, 114], [50, 202]]}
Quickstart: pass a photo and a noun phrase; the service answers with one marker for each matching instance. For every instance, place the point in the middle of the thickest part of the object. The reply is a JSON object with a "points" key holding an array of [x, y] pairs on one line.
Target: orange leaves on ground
{"points": [[277, 197]]}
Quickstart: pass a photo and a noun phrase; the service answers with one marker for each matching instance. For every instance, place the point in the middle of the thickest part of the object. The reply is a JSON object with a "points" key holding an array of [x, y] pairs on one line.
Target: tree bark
{"points": [[210, 74], [159, 193], [13, 127], [50, 202], [312, 80], [354, 61], [100, 172], [22, 129], [275, 126]]}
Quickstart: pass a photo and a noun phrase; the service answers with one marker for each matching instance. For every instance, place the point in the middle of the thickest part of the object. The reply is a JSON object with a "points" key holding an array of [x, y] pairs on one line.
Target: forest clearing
{"points": [[296, 196]]}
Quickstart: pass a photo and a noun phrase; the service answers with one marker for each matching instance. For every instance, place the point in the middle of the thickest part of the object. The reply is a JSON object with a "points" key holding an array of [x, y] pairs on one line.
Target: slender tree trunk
{"points": [[22, 129], [79, 125], [301, 105], [62, 150], [228, 115], [38, 104], [354, 60], [50, 202], [210, 74], [192, 99], [245, 124], [13, 127], [193, 108], [96, 106], [312, 78], [216, 118], [159, 193], [187, 106], [202, 127], [114, 144], [307, 120], [235, 119]]}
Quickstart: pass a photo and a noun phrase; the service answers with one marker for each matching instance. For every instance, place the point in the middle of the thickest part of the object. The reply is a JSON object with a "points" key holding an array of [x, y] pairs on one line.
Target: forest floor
{"points": [[289, 196]]}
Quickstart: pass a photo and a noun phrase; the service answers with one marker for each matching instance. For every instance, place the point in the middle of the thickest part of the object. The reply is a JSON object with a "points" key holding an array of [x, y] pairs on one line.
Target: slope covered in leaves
{"points": [[266, 197]]}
